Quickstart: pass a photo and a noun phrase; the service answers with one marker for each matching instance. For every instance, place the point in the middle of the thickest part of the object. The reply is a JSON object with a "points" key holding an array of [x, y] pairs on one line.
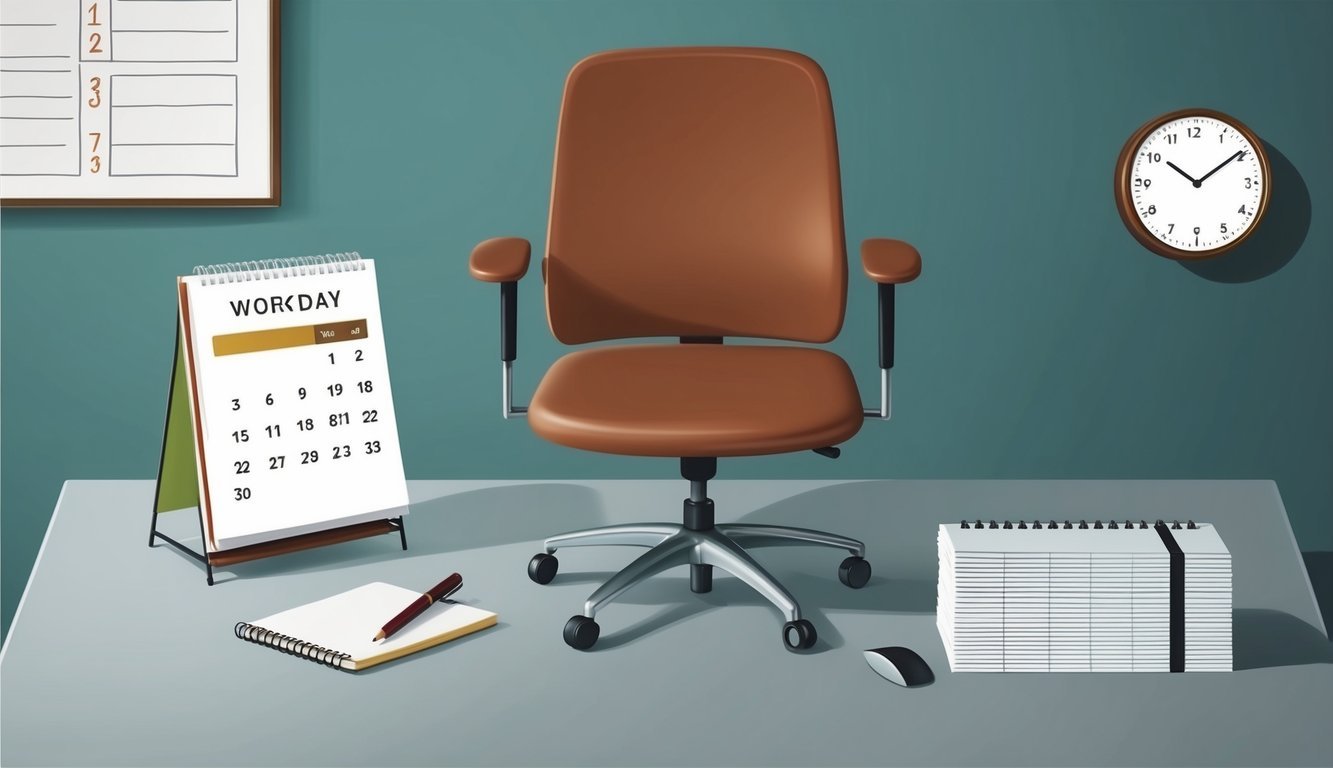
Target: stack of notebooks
{"points": [[1124, 596]]}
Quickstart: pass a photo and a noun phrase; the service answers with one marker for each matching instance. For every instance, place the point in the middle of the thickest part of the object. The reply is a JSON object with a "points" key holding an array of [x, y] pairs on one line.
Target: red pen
{"points": [[438, 592]]}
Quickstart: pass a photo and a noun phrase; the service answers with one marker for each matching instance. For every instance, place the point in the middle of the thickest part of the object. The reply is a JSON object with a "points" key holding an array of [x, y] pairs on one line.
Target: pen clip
{"points": [[445, 597]]}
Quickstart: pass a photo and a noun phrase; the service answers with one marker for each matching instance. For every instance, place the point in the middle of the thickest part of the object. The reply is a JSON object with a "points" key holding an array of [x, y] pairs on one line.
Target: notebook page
{"points": [[1046, 541], [1201, 541], [297, 426]]}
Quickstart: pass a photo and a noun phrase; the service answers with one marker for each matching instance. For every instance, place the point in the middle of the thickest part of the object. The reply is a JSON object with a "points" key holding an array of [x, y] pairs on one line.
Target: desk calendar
{"points": [[284, 372]]}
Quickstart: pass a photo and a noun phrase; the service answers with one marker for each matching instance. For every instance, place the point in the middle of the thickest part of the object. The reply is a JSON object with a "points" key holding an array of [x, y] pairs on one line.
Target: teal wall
{"points": [[1041, 340]]}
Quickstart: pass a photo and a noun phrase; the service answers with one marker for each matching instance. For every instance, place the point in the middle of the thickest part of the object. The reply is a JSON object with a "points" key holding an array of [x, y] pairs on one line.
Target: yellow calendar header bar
{"points": [[282, 338]]}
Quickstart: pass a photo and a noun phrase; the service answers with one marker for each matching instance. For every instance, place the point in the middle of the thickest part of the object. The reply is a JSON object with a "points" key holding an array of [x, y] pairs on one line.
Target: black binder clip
{"points": [[1143, 524], [978, 525], [1083, 525], [1113, 526], [1021, 525], [1191, 526], [1008, 525], [1098, 525], [1068, 525], [1052, 526], [964, 524], [993, 526], [1175, 525], [1129, 525]]}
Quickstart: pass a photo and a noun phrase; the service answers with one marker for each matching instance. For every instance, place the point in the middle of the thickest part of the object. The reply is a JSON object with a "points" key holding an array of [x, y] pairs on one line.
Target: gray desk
{"points": [[121, 655]]}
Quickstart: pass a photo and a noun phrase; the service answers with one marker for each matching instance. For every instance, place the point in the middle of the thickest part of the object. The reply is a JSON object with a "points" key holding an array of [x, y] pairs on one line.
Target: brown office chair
{"points": [[696, 196]]}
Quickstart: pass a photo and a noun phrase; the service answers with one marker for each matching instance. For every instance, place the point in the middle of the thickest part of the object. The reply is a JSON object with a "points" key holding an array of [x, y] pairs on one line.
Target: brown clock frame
{"points": [[1124, 200]]}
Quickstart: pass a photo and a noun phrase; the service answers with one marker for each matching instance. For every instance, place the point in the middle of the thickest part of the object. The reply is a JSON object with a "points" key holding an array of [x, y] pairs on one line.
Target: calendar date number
{"points": [[305, 426]]}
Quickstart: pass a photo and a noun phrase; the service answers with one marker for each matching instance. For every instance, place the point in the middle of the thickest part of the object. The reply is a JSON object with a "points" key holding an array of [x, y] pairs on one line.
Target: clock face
{"points": [[1197, 183]]}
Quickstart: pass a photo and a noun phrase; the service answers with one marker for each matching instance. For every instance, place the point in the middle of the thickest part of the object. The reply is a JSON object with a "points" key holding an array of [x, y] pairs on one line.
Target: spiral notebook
{"points": [[337, 631], [1084, 597], [289, 392]]}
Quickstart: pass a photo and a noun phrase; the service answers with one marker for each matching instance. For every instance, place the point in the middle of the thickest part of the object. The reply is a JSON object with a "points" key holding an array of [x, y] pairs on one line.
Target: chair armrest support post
{"points": [[509, 349], [886, 296], [509, 321], [885, 410]]}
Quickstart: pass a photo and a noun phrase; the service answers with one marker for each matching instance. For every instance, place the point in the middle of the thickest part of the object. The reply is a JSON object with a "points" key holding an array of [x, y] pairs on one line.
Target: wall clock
{"points": [[1192, 184]]}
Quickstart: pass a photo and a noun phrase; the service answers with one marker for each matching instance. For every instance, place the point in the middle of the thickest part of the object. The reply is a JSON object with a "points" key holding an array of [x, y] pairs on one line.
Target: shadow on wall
{"points": [[1278, 237]]}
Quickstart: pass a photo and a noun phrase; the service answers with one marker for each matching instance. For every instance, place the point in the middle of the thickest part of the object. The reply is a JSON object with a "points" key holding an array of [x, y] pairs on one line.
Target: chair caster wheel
{"points": [[854, 572], [797, 635], [581, 632], [542, 568]]}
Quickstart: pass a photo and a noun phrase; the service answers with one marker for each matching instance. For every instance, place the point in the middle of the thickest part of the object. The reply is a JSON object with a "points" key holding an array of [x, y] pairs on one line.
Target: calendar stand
{"points": [[280, 546], [177, 488]]}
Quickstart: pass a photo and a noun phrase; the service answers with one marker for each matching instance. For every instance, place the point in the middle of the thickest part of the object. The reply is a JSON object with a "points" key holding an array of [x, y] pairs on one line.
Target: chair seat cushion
{"points": [[697, 400]]}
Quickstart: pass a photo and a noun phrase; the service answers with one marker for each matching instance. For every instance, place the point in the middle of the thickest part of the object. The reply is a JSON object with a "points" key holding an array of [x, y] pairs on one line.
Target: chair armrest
{"points": [[500, 259], [504, 260], [890, 261]]}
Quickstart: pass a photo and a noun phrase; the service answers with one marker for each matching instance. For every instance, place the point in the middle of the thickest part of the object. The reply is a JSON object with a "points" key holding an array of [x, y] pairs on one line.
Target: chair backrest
{"points": [[696, 193]]}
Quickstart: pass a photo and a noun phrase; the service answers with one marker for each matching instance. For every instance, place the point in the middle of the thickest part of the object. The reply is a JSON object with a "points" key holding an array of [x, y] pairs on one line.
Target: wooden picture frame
{"points": [[266, 190]]}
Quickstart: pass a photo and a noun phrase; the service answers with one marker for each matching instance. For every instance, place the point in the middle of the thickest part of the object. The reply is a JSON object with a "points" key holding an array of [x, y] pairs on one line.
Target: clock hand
{"points": [[1176, 168], [1218, 168]]}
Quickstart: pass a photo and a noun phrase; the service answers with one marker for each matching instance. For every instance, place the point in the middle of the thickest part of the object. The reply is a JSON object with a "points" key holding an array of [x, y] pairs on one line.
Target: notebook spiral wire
{"points": [[290, 645], [1083, 525]]}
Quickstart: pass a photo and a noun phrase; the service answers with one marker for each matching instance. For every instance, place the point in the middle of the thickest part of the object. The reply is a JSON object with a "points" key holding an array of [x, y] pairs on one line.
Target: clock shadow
{"points": [[1278, 237]]}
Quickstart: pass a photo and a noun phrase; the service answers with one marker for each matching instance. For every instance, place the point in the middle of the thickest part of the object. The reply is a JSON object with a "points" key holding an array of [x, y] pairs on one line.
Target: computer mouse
{"points": [[900, 665]]}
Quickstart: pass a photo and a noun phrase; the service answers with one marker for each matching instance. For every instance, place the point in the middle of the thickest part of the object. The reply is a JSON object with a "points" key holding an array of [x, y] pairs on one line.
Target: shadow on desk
{"points": [[900, 545], [903, 558], [902, 549], [1265, 638], [469, 520], [670, 593], [898, 527], [441, 648], [1319, 567]]}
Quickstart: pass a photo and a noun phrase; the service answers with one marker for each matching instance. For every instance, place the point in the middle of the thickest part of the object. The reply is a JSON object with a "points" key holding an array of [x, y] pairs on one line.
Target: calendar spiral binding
{"points": [[271, 269], [291, 646], [1083, 525]]}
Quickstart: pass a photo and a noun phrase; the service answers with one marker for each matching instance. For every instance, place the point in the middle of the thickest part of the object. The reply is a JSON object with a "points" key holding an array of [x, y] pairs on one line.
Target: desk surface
{"points": [[121, 655]]}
